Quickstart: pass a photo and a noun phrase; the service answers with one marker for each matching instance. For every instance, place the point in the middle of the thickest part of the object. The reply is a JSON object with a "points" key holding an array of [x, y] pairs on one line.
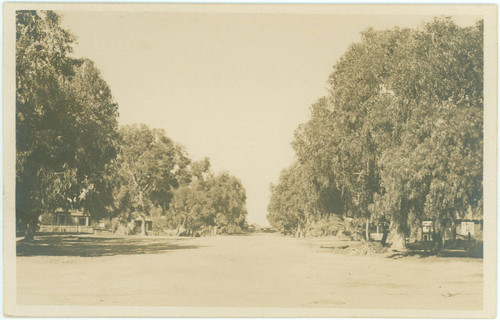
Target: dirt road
{"points": [[261, 270]]}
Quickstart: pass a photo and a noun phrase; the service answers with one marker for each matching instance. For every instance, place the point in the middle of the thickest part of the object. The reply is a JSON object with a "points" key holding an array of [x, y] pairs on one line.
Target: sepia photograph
{"points": [[239, 160]]}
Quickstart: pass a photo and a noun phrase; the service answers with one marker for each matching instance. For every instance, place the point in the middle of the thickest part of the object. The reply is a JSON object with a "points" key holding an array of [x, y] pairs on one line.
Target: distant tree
{"points": [[149, 166], [283, 212], [294, 201], [66, 123], [209, 201], [228, 199], [191, 210]]}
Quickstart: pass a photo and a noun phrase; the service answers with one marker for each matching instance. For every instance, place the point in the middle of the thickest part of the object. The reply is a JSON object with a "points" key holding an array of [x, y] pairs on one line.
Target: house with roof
{"points": [[68, 221], [147, 220]]}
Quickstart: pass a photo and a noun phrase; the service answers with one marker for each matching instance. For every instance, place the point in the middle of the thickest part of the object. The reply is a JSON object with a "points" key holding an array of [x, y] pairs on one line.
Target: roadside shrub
{"points": [[231, 229], [325, 227]]}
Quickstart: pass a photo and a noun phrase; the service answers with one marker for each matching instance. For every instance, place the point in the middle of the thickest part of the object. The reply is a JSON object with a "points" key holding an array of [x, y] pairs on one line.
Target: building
{"points": [[149, 224], [427, 231], [72, 218], [67, 221], [467, 228], [470, 228]]}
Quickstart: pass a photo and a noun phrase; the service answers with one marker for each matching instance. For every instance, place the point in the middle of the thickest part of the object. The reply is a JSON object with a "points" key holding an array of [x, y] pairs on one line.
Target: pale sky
{"points": [[229, 86]]}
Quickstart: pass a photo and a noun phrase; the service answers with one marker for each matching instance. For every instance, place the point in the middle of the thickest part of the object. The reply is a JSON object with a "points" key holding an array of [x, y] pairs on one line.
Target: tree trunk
{"points": [[367, 230], [298, 234], [143, 225], [397, 239], [438, 240], [413, 234], [30, 231], [385, 233], [398, 242]]}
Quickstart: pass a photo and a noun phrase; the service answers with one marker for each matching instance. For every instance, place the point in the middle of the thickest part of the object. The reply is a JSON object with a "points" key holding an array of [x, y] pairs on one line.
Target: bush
{"points": [[325, 227], [232, 229]]}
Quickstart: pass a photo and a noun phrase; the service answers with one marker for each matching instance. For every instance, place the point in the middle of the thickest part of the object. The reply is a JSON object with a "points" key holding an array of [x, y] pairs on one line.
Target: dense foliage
{"points": [[156, 178], [71, 154], [148, 168], [66, 122], [399, 135], [211, 203]]}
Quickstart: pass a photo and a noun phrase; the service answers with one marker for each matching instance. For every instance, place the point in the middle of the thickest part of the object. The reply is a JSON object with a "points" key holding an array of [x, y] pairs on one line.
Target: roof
{"points": [[74, 213]]}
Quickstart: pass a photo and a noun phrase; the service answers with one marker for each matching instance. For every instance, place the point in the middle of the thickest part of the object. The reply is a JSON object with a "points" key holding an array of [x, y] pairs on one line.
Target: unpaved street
{"points": [[260, 270]]}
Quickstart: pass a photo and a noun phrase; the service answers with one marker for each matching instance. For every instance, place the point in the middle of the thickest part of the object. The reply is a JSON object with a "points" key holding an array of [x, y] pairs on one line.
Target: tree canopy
{"points": [[149, 167], [66, 122], [71, 154], [400, 132], [210, 200]]}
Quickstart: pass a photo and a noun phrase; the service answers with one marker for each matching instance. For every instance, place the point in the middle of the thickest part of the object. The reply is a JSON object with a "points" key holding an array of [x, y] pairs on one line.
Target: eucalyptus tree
{"points": [[435, 169], [409, 104], [400, 135], [228, 200], [210, 200], [294, 201], [66, 122], [360, 96], [315, 145], [191, 207], [150, 166]]}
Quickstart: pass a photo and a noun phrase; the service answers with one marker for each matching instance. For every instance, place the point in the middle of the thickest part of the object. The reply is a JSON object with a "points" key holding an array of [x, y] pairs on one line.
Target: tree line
{"points": [[71, 153], [397, 140]]}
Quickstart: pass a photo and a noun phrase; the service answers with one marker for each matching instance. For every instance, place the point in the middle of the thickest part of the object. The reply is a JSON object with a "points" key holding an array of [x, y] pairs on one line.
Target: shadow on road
{"points": [[443, 254], [78, 246]]}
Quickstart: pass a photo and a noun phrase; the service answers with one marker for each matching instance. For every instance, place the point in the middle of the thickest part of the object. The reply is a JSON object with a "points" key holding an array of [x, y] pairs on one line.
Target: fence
{"points": [[65, 229]]}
